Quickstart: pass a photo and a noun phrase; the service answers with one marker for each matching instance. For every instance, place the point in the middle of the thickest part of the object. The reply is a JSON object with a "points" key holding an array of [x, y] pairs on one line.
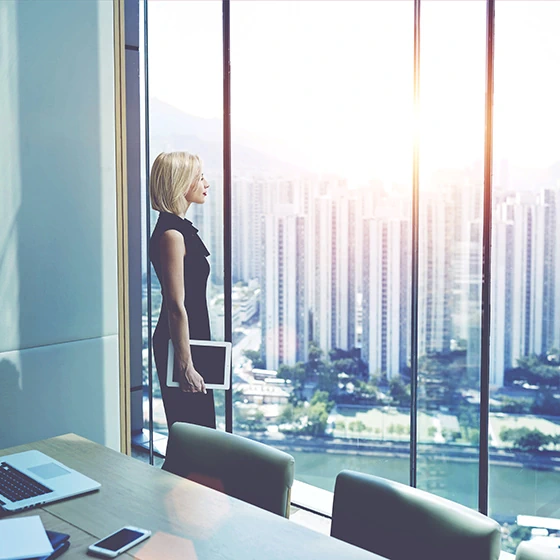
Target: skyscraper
{"points": [[284, 302], [435, 275], [385, 340]]}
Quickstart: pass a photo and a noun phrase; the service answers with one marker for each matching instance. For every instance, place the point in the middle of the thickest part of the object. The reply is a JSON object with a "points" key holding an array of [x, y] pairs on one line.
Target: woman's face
{"points": [[198, 192]]}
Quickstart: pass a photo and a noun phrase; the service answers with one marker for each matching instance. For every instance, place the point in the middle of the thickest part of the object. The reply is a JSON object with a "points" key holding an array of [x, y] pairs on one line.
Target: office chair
{"points": [[401, 522], [531, 551], [237, 466]]}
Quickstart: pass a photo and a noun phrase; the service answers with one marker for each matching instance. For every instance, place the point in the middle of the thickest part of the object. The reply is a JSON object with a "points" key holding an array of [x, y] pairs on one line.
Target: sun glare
{"points": [[338, 97]]}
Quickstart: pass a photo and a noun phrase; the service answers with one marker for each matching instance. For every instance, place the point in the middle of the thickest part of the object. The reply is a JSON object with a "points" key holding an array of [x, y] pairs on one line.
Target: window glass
{"points": [[185, 114], [321, 139], [321, 234], [525, 383], [452, 96]]}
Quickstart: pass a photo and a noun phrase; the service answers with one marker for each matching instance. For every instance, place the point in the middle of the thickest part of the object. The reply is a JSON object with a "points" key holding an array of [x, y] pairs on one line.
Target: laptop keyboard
{"points": [[17, 486]]}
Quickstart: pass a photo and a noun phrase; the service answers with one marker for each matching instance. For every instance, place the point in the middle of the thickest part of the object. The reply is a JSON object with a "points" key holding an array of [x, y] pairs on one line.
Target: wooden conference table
{"points": [[188, 521]]}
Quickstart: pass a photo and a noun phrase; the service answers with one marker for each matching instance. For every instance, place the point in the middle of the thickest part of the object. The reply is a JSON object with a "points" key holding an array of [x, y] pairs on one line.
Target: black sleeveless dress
{"points": [[195, 408]]}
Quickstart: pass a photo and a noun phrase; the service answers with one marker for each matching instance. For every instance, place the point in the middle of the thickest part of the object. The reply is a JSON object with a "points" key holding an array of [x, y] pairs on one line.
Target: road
{"points": [[251, 341]]}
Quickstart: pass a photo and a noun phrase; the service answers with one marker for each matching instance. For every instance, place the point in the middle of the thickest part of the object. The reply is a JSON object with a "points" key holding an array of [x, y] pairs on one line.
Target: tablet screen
{"points": [[211, 359]]}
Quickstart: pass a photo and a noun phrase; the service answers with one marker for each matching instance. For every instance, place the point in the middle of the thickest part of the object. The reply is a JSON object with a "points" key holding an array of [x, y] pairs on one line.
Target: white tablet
{"points": [[211, 359]]}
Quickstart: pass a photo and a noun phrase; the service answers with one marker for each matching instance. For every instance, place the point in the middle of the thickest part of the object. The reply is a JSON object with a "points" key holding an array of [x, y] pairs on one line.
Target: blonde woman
{"points": [[180, 260]]}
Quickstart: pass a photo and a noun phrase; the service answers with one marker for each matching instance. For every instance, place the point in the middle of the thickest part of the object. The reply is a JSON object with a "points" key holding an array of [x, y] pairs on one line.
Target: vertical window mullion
{"points": [[227, 198], [148, 232], [486, 268], [415, 259]]}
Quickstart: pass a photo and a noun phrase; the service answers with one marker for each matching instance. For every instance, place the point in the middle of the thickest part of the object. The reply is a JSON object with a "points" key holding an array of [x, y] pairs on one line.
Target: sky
{"points": [[329, 84]]}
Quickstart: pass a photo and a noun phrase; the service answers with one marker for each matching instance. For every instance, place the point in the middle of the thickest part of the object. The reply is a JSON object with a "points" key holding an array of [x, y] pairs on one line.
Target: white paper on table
{"points": [[23, 537]]}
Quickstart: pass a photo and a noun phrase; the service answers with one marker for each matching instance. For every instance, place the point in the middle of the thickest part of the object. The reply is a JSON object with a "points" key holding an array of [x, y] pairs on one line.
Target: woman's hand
{"points": [[191, 381]]}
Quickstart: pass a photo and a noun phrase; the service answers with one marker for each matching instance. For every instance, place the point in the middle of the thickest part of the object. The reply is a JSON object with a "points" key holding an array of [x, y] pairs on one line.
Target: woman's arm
{"points": [[172, 251]]}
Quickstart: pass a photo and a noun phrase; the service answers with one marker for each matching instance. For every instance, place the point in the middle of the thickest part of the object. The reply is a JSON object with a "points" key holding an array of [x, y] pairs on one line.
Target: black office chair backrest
{"points": [[240, 467], [401, 522]]}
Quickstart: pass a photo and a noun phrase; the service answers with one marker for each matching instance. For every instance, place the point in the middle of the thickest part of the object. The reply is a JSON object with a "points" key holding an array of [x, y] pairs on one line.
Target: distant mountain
{"points": [[172, 129]]}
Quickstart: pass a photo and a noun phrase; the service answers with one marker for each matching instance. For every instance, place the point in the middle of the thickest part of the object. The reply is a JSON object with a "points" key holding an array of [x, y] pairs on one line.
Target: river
{"points": [[513, 490]]}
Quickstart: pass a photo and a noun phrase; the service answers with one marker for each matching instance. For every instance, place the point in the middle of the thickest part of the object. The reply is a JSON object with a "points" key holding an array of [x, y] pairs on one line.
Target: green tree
{"points": [[536, 370], [473, 436], [346, 365], [525, 439], [349, 361], [357, 426], [297, 375], [318, 414], [444, 375], [290, 414], [314, 355], [317, 418], [467, 415], [400, 393], [250, 419], [256, 358], [516, 406], [327, 380], [322, 397], [256, 422], [367, 389], [546, 403]]}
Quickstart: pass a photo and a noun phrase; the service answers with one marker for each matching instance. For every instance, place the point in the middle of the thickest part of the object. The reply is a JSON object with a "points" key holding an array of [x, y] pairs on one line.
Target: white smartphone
{"points": [[119, 541]]}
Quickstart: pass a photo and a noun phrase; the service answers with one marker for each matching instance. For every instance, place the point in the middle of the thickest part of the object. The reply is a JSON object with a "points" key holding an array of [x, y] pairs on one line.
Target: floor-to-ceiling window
{"points": [[184, 113], [451, 165], [321, 245], [525, 382], [321, 169]]}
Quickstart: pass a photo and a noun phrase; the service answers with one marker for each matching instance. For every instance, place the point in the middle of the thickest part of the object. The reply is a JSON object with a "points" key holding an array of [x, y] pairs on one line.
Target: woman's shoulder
{"points": [[171, 243], [168, 222]]}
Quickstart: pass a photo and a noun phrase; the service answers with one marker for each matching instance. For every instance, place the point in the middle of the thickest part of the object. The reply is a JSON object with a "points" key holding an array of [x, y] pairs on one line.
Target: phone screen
{"points": [[119, 539]]}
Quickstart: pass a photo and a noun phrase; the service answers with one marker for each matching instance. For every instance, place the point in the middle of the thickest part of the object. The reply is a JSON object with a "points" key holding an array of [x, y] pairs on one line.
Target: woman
{"points": [[180, 261]]}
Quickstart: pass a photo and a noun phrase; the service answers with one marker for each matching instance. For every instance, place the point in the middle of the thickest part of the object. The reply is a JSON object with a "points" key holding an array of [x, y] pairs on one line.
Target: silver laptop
{"points": [[31, 478]]}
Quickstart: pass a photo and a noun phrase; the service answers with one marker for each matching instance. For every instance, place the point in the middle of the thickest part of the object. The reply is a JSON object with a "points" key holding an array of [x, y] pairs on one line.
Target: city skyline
{"points": [[291, 242], [449, 285], [285, 102], [266, 199]]}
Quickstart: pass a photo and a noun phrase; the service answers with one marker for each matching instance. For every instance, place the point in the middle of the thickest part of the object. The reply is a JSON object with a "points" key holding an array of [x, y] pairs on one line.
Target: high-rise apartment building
{"points": [[334, 229], [246, 212], [525, 281], [324, 286], [345, 293], [283, 300], [435, 275], [505, 300], [386, 264], [546, 286]]}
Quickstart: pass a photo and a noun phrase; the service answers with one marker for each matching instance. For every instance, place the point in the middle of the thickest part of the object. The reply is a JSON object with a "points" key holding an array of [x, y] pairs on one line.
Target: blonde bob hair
{"points": [[172, 177]]}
